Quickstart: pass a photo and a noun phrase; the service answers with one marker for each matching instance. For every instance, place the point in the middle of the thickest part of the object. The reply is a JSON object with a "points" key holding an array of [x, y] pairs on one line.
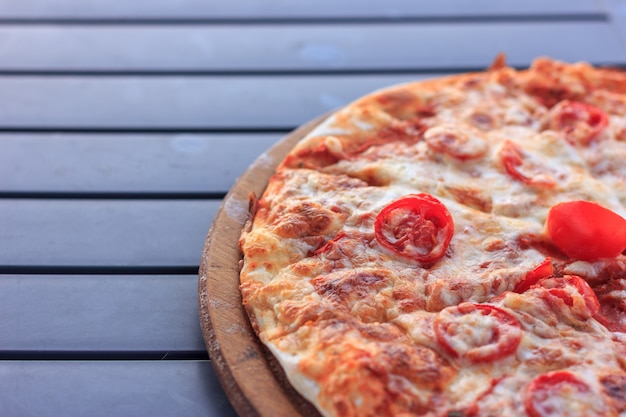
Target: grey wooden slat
{"points": [[617, 13], [111, 389], [104, 232], [177, 102], [372, 46], [99, 313], [254, 9], [177, 163]]}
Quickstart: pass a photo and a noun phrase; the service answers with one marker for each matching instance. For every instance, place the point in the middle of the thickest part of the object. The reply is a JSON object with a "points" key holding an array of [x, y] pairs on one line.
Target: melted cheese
{"points": [[351, 321]]}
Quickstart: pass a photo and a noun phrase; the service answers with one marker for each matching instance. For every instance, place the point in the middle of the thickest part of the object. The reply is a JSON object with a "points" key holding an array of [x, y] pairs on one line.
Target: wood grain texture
{"points": [[249, 375], [291, 47], [104, 232], [257, 9], [122, 163]]}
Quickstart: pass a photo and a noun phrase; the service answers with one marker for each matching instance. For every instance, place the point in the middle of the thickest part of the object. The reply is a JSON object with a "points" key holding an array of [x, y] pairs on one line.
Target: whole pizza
{"points": [[453, 247]]}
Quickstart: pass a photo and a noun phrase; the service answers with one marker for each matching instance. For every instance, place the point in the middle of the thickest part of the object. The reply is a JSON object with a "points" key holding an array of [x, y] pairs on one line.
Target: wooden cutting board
{"points": [[250, 376]]}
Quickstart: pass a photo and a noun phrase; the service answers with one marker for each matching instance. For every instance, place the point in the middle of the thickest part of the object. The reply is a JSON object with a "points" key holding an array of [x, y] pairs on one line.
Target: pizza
{"points": [[451, 247]]}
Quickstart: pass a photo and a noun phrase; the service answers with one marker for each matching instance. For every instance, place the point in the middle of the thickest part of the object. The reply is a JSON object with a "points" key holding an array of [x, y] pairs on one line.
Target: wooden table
{"points": [[124, 123]]}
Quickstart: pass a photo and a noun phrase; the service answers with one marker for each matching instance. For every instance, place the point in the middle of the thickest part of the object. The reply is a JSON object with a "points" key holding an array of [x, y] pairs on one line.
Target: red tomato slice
{"points": [[417, 226], [575, 293], [612, 312], [543, 270], [586, 231], [580, 122], [522, 169], [477, 332], [611, 317], [561, 393]]}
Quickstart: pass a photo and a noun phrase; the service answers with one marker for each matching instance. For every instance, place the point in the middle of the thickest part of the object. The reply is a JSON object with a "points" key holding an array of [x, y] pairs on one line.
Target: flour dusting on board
{"points": [[263, 161], [236, 209]]}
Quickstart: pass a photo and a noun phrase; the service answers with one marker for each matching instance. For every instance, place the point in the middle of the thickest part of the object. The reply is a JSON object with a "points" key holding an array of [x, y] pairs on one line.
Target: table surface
{"points": [[124, 123]]}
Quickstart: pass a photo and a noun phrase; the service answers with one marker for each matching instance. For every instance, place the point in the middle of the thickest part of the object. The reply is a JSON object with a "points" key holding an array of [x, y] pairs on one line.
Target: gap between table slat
{"points": [[276, 9], [102, 356]]}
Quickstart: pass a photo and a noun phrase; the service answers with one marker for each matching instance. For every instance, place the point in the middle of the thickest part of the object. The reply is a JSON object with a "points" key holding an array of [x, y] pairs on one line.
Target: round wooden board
{"points": [[250, 376]]}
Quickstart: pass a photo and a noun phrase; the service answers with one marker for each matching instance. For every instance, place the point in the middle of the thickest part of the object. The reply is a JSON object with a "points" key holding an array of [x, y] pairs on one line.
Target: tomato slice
{"points": [[612, 314], [580, 122], [574, 292], [477, 332], [523, 169], [417, 226], [586, 231], [559, 394], [543, 270]]}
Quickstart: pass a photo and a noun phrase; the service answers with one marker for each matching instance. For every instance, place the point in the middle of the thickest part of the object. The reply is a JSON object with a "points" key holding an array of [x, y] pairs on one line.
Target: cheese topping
{"points": [[400, 322]]}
